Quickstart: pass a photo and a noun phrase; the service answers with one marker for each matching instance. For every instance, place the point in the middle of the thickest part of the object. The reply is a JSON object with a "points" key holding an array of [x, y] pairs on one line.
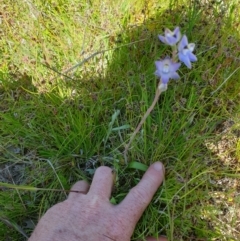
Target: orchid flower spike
{"points": [[185, 50], [170, 38], [166, 69]]}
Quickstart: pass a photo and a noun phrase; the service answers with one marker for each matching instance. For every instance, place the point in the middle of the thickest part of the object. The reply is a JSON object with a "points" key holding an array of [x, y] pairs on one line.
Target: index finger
{"points": [[139, 197]]}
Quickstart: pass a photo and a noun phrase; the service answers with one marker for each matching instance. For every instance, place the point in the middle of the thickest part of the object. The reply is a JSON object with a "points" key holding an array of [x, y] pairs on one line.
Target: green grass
{"points": [[56, 128]]}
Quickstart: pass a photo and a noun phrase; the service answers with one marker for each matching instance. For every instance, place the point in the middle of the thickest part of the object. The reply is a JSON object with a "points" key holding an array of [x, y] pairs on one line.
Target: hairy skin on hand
{"points": [[89, 216]]}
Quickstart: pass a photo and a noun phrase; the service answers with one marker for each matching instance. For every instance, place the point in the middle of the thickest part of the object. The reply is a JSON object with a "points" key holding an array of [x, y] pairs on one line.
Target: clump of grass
{"points": [[55, 130]]}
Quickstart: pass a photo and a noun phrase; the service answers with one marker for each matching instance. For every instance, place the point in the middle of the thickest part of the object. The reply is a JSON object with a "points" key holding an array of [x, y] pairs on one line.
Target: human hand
{"points": [[89, 215]]}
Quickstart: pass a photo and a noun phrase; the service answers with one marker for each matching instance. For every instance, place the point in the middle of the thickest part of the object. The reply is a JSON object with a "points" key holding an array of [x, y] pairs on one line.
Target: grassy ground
{"points": [[58, 124]]}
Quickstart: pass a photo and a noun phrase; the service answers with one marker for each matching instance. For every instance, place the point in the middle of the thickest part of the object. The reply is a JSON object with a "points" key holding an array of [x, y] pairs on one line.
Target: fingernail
{"points": [[158, 166]]}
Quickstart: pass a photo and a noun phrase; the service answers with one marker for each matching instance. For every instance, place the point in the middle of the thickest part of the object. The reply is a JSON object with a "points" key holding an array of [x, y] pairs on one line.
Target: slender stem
{"points": [[158, 92], [174, 53]]}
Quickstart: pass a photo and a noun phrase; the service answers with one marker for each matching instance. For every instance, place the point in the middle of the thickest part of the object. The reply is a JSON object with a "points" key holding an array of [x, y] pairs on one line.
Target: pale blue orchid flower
{"points": [[166, 69], [171, 38], [185, 50]]}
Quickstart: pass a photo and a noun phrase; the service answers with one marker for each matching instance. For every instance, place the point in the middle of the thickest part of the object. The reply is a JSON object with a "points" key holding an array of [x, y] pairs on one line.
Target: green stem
{"points": [[158, 92]]}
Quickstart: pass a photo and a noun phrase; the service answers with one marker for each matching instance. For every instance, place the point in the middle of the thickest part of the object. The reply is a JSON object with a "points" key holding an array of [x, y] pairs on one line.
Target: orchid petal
{"points": [[191, 46], [183, 43], [175, 76], [192, 57], [185, 60], [165, 79], [175, 66], [162, 39]]}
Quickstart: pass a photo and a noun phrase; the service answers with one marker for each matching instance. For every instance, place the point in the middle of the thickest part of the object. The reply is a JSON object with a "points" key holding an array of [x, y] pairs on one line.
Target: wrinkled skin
{"points": [[89, 216]]}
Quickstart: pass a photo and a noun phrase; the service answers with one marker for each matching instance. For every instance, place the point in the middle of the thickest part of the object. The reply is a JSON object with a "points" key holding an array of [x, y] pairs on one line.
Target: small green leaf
{"points": [[124, 127], [19, 187], [138, 166], [113, 200], [28, 188]]}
